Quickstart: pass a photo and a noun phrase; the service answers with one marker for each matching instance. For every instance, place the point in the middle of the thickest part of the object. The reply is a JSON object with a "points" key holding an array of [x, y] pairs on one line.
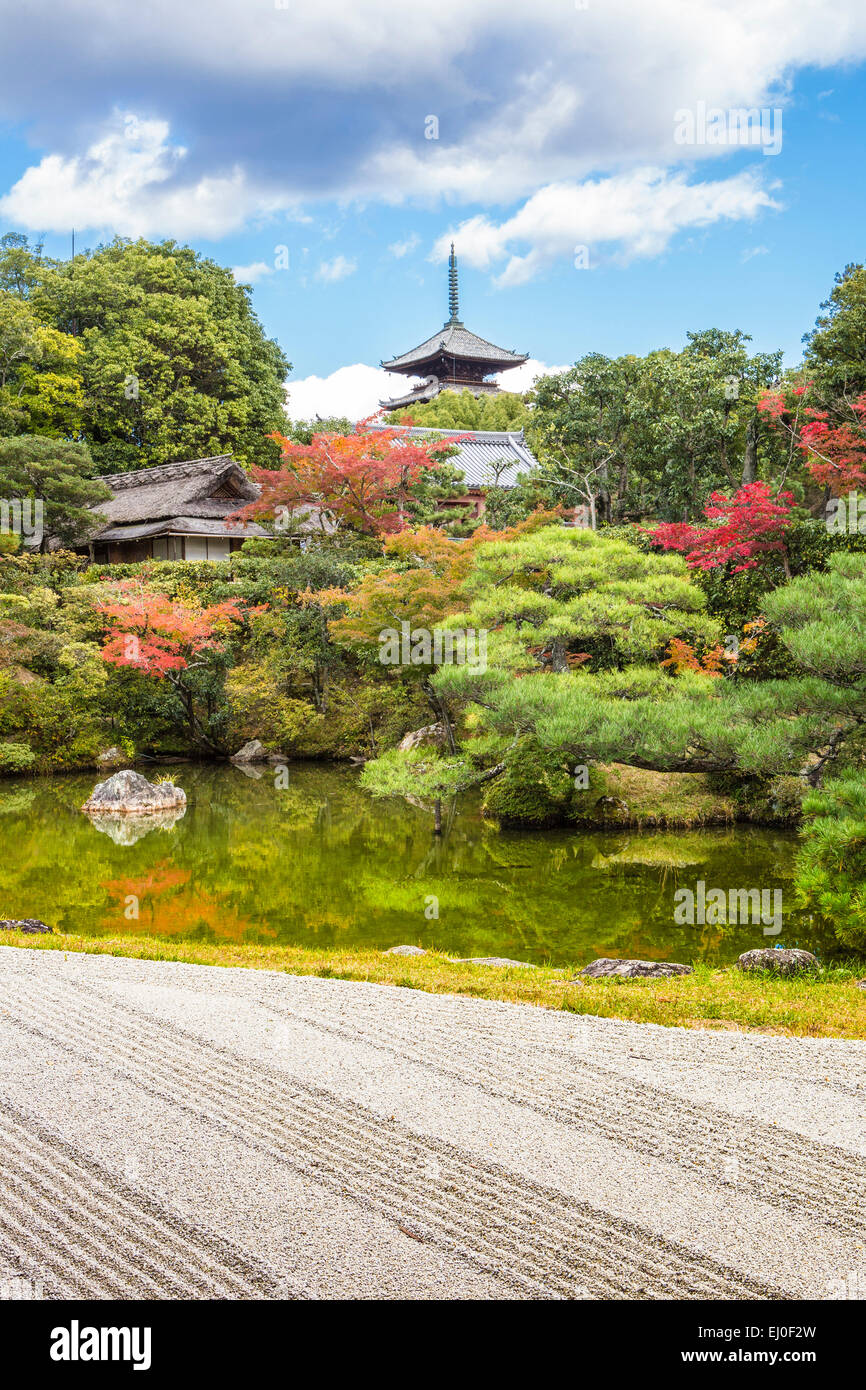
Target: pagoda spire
{"points": [[453, 303]]}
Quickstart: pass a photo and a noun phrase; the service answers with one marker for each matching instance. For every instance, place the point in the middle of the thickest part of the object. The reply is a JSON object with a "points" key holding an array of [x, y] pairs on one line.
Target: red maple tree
{"points": [[161, 635], [361, 479], [834, 442], [741, 529], [167, 638]]}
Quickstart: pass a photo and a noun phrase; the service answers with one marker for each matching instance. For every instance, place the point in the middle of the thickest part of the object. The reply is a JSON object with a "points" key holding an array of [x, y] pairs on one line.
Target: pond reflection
{"points": [[317, 862]]}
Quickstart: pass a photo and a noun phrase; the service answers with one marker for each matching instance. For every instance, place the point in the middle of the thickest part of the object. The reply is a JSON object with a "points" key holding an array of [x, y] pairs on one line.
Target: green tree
{"points": [[462, 410], [836, 348], [831, 865], [635, 436], [58, 475], [173, 362]]}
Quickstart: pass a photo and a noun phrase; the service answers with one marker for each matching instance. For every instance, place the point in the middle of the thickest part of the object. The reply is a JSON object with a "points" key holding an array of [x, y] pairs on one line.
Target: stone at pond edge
{"points": [[432, 735], [112, 757], [405, 951], [494, 960], [787, 962], [633, 969], [252, 752], [861, 984], [31, 925], [129, 792]]}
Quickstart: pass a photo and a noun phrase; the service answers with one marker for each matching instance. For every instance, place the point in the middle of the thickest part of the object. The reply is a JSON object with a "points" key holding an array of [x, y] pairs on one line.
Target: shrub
{"points": [[831, 865], [15, 757]]}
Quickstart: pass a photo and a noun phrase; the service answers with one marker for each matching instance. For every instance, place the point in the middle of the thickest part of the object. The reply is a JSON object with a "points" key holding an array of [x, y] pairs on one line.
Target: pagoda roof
{"points": [[455, 340]]}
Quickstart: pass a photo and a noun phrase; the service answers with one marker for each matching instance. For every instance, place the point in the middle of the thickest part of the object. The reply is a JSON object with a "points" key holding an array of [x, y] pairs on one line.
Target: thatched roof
{"points": [[192, 498], [211, 488]]}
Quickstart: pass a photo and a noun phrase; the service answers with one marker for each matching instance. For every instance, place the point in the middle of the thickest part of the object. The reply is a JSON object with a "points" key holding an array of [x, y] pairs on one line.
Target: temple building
{"points": [[180, 511], [453, 359]]}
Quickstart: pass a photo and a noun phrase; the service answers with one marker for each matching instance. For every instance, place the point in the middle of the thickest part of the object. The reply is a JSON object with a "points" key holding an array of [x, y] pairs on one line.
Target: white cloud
{"points": [[628, 215], [531, 101], [337, 269], [131, 180], [250, 274], [522, 378], [357, 390], [752, 251], [352, 391], [399, 249]]}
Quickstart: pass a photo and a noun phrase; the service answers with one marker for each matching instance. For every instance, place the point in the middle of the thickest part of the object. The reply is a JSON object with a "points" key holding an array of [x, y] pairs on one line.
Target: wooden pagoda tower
{"points": [[453, 359]]}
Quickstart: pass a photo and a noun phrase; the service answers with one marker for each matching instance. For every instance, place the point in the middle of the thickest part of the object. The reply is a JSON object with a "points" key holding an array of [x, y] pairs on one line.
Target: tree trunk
{"points": [[750, 456], [437, 816]]}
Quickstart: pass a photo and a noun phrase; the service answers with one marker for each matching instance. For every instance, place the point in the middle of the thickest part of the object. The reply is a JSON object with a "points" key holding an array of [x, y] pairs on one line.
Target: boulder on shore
{"points": [[405, 951], [252, 752], [780, 962], [128, 793], [431, 736], [111, 757], [633, 969], [31, 925]]}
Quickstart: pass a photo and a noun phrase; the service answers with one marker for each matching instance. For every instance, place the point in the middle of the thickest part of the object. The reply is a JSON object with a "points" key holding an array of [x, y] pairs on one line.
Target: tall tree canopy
{"points": [[147, 351], [632, 436]]}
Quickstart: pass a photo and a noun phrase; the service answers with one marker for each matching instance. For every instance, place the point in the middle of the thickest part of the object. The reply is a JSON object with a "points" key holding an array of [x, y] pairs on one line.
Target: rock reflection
{"points": [[129, 829]]}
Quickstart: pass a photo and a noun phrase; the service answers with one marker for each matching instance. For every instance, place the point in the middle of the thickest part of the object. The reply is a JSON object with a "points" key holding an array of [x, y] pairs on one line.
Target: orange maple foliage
{"points": [[362, 479]]}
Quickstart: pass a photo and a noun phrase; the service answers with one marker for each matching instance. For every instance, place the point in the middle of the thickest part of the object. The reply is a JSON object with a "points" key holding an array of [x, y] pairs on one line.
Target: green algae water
{"points": [[318, 863]]}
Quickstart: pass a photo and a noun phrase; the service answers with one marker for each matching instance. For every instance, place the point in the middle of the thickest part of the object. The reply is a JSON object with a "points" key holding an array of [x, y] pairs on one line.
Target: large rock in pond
{"points": [[128, 793], [128, 827], [777, 960], [31, 925], [633, 969], [252, 752]]}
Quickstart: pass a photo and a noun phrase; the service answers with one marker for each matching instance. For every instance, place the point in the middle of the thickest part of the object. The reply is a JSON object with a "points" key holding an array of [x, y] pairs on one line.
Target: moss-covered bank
{"points": [[538, 791]]}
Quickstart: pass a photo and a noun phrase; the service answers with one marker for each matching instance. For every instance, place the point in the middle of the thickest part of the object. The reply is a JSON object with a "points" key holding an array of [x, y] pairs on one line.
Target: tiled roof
{"points": [[455, 340], [477, 455]]}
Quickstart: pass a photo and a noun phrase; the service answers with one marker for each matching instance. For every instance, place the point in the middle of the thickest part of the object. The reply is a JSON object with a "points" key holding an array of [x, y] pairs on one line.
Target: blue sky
{"points": [[243, 127]]}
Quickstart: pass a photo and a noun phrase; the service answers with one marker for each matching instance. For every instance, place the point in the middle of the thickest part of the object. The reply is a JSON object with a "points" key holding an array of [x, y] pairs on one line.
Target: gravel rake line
{"points": [[119, 1243], [775, 1165], [682, 1046], [532, 1226]]}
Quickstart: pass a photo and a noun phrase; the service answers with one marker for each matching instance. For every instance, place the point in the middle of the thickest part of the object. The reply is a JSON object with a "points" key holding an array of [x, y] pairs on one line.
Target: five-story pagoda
{"points": [[453, 359]]}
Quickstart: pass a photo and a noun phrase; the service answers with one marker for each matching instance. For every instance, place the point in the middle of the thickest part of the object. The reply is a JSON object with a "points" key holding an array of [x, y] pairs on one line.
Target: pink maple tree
{"points": [[834, 443]]}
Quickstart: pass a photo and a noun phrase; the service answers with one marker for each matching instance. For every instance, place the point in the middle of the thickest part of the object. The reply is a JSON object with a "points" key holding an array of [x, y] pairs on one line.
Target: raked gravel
{"points": [[184, 1131]]}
